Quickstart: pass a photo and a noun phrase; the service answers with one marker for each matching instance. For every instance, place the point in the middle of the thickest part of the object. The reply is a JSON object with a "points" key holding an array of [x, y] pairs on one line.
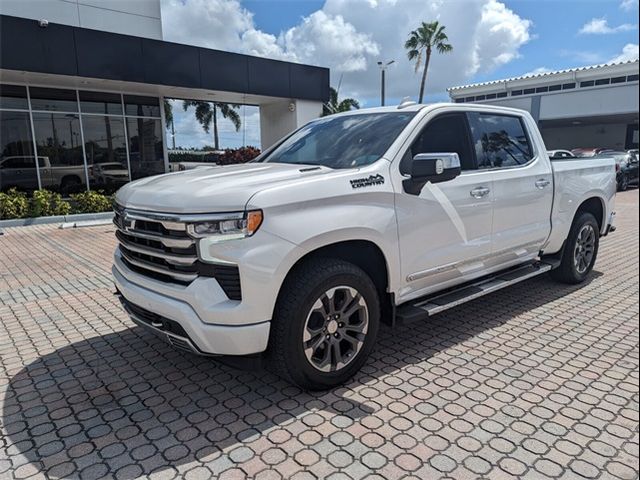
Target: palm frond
{"points": [[418, 61], [347, 104]]}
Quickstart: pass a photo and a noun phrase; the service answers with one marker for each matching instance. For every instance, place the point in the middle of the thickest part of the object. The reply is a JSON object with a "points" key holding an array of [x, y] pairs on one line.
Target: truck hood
{"points": [[210, 189]]}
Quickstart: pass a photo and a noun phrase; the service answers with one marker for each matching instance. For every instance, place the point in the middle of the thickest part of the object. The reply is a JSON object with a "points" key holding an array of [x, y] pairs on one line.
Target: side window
{"points": [[500, 140], [447, 133]]}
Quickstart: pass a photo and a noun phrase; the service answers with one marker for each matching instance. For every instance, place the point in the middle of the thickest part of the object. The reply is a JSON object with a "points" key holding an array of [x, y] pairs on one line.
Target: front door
{"points": [[445, 231]]}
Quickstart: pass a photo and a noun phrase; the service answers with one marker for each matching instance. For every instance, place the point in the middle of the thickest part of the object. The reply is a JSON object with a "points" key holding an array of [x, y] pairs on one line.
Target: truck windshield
{"points": [[344, 141]]}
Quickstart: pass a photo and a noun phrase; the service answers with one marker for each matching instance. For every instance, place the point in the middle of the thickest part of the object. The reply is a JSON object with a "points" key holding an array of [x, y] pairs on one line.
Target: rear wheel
{"points": [[580, 250], [623, 183], [325, 324]]}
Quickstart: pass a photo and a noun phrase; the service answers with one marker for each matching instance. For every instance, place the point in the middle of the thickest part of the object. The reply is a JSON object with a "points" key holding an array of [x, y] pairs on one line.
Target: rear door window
{"points": [[501, 141]]}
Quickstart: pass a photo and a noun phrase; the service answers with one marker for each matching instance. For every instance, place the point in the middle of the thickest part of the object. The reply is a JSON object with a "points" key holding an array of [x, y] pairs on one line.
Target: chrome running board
{"points": [[430, 305]]}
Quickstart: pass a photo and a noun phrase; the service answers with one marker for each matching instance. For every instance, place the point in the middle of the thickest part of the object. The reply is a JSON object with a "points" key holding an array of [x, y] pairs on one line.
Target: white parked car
{"points": [[391, 214], [109, 173]]}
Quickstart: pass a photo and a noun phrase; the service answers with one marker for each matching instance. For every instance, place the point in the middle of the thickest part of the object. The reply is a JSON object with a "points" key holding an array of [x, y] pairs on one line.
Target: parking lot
{"points": [[540, 380]]}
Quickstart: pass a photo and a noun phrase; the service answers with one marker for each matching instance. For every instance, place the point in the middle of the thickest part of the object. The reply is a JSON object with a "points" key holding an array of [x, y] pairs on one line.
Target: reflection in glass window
{"points": [[13, 96], [342, 141], [501, 140], [17, 162], [59, 145], [142, 106], [145, 147], [446, 133], [106, 151], [100, 102], [53, 99]]}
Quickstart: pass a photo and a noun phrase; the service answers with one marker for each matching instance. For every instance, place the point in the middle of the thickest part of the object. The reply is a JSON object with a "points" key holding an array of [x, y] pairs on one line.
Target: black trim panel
{"points": [[65, 50]]}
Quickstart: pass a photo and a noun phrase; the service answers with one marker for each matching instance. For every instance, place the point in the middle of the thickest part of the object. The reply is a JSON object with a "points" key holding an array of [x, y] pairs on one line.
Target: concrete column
{"points": [[279, 118]]}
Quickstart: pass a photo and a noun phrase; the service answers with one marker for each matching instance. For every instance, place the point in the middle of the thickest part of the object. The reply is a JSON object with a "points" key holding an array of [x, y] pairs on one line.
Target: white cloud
{"points": [[501, 34], [322, 37], [350, 36], [206, 23], [629, 52], [537, 71], [629, 5], [600, 26]]}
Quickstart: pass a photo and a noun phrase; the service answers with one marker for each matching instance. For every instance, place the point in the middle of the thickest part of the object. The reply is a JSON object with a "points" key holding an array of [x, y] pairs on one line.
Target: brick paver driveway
{"points": [[540, 380]]}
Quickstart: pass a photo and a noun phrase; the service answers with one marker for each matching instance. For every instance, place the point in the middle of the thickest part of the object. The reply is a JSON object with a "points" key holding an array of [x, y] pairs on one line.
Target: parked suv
{"points": [[626, 168]]}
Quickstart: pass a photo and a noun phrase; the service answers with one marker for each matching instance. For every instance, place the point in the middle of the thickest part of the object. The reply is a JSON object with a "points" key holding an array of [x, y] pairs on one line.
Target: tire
{"points": [[623, 184], [577, 262], [302, 319], [70, 184]]}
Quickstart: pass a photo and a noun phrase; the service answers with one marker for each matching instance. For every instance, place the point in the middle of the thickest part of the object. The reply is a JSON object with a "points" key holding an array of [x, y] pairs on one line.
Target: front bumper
{"points": [[178, 323]]}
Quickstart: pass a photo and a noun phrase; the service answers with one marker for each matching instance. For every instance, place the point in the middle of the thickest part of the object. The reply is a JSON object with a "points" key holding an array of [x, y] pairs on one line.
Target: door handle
{"points": [[479, 192], [542, 183]]}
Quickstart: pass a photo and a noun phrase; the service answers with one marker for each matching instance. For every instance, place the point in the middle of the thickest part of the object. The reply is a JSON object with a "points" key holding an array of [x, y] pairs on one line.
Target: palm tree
{"points": [[168, 120], [207, 114], [168, 113], [335, 106], [422, 41]]}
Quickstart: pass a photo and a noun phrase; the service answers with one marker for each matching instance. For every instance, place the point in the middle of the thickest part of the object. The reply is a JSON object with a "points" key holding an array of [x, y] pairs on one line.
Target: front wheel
{"points": [[580, 250], [325, 324]]}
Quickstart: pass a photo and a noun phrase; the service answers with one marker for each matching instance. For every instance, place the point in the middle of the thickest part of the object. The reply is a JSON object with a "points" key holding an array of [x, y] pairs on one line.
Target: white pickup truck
{"points": [[390, 214]]}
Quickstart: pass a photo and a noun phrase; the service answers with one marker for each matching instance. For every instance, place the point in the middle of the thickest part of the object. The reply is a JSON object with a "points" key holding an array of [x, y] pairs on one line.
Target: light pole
{"points": [[383, 67]]}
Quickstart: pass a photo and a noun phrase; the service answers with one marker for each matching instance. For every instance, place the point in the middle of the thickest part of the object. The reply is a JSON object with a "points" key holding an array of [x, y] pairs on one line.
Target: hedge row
{"points": [[44, 203], [226, 157]]}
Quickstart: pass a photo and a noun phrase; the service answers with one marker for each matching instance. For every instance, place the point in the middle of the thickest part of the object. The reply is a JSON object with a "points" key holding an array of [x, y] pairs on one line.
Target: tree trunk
{"points": [[216, 140], [424, 74]]}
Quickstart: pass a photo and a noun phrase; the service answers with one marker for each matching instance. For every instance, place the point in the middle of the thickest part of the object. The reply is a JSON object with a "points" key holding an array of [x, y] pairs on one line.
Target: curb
{"points": [[80, 217]]}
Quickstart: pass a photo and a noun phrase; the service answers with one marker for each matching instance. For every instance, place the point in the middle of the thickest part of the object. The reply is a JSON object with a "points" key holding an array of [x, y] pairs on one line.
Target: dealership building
{"points": [[580, 107], [83, 83]]}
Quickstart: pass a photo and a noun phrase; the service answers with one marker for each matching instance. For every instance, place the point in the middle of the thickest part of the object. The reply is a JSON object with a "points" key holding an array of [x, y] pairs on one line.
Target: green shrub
{"points": [[13, 204], [45, 203], [90, 202]]}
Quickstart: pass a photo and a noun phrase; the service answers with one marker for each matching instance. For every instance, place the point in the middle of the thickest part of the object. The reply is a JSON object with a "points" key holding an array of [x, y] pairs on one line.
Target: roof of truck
{"points": [[416, 107]]}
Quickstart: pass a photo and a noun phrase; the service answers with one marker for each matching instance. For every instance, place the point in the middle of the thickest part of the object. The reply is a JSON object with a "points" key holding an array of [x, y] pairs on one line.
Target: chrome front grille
{"points": [[158, 246]]}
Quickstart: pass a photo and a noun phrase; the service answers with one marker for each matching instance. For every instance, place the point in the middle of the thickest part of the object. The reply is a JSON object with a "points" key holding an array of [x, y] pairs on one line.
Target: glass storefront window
{"points": [[17, 162], [99, 102], [106, 151], [58, 141], [142, 106], [53, 99], [145, 147], [83, 139], [13, 96]]}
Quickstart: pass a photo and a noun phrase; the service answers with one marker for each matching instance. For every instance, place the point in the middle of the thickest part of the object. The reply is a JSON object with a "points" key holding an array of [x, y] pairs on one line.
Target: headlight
{"points": [[229, 227]]}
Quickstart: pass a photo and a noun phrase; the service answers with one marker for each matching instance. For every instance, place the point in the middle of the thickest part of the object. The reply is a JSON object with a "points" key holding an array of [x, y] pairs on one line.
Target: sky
{"points": [[491, 40]]}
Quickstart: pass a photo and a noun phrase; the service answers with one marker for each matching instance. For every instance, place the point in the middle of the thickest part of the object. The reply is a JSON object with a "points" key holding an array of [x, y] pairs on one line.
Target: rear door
{"points": [[522, 185]]}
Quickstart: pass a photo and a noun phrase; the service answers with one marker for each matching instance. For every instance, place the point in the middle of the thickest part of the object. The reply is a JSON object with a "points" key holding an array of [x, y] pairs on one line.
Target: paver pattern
{"points": [[537, 381]]}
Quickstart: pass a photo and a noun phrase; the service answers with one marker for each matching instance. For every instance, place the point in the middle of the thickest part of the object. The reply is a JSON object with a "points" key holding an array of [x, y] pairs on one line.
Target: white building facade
{"points": [[141, 18], [582, 107], [83, 84]]}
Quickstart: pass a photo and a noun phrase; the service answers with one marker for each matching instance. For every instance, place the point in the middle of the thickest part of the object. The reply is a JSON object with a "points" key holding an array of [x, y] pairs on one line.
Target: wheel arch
{"points": [[595, 206], [366, 255]]}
